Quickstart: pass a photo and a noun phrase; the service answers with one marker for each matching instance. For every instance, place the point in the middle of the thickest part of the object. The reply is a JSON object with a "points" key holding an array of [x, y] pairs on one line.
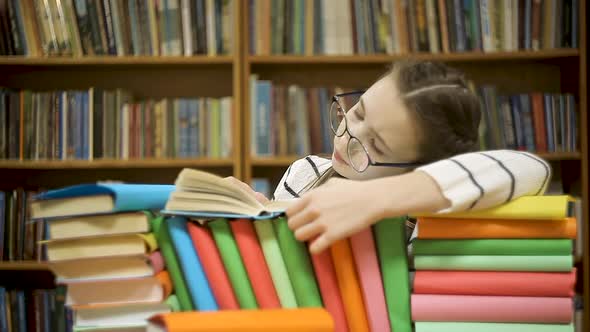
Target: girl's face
{"points": [[384, 126]]}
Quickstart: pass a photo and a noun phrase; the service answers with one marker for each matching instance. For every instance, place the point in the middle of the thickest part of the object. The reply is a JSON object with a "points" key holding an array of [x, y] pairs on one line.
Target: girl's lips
{"points": [[339, 158]]}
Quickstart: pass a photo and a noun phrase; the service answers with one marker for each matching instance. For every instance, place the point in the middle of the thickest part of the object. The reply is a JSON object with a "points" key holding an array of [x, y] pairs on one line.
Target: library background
{"points": [[135, 91]]}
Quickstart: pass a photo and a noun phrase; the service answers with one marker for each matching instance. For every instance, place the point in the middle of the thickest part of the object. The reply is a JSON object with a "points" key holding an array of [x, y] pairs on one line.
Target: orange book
{"points": [[444, 28], [539, 122], [440, 228], [284, 320], [349, 286], [402, 26]]}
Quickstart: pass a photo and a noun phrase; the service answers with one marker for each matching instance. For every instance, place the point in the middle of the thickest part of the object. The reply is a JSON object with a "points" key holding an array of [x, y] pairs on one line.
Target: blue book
{"points": [[527, 120], [528, 11], [517, 121], [2, 222], [192, 269], [218, 26], [548, 110], [134, 26], [460, 26], [325, 120], [263, 118], [562, 123], [99, 198], [85, 110], [360, 27], [3, 317]]}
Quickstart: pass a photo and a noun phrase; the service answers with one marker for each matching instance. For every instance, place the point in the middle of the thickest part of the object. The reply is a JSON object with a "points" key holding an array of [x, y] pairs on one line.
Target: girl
{"points": [[409, 138]]}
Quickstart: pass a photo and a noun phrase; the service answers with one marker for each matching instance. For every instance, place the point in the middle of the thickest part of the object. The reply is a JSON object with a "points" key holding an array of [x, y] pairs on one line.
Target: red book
{"points": [[213, 267], [539, 122], [255, 264], [326, 276]]}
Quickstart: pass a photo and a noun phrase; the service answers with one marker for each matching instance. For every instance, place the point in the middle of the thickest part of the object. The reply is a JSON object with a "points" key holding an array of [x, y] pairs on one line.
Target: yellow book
{"points": [[556, 207]]}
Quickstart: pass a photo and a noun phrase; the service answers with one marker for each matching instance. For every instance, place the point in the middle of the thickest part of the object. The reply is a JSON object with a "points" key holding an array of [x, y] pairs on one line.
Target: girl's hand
{"points": [[259, 196], [342, 207]]}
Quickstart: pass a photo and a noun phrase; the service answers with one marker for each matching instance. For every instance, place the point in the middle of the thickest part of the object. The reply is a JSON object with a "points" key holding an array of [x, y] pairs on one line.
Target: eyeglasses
{"points": [[356, 150]]}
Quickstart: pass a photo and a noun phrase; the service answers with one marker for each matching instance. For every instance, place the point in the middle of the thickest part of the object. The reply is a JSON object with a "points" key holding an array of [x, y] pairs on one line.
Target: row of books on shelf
{"points": [[369, 27], [507, 268], [96, 124], [113, 27], [539, 122], [17, 307], [294, 120]]}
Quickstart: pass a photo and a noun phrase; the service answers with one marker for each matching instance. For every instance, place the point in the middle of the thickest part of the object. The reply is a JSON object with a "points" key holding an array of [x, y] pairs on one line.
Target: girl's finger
{"points": [[301, 218], [297, 206], [308, 231], [320, 244]]}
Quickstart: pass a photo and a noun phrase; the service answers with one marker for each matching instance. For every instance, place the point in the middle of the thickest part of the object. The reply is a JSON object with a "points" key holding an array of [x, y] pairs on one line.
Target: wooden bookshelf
{"points": [[116, 61], [386, 59], [115, 163]]}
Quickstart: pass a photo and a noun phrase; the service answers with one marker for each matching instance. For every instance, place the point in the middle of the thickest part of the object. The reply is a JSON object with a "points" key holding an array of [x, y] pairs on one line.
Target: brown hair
{"points": [[447, 111]]}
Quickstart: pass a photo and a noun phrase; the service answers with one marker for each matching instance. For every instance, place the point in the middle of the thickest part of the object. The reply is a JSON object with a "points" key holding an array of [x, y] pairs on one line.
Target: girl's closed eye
{"points": [[375, 148]]}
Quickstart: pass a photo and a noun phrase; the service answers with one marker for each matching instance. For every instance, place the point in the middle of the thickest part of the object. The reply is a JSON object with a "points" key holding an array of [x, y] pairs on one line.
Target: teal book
{"points": [[99, 198]]}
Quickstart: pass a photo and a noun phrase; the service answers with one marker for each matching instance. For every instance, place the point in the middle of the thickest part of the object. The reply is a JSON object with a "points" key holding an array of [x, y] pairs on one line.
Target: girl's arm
{"points": [[470, 181]]}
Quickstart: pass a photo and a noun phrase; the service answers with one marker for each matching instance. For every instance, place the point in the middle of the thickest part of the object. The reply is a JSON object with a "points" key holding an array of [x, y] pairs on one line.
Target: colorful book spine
{"points": [[230, 254], [298, 265], [369, 275], [348, 283], [256, 267], [328, 283], [171, 262], [213, 267], [276, 263], [192, 269], [390, 238]]}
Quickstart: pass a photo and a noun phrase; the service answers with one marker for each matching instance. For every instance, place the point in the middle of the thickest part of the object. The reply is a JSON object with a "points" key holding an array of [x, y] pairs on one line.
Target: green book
{"points": [[299, 266], [171, 262], [495, 263], [491, 327], [390, 238], [516, 247], [172, 302], [275, 262], [236, 271]]}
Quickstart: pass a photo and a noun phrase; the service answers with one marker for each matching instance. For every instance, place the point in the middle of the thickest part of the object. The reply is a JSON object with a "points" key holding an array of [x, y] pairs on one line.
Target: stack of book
{"points": [[113, 27], [236, 253], [508, 268], [100, 244], [107, 124], [369, 27]]}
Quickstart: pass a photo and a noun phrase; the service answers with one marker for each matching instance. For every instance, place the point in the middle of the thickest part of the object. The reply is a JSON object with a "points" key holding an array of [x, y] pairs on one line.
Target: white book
{"points": [[211, 32], [345, 29], [330, 30], [186, 27]]}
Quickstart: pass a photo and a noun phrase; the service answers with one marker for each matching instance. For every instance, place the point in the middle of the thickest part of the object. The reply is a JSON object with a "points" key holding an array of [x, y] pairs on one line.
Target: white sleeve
{"points": [[483, 179], [299, 175]]}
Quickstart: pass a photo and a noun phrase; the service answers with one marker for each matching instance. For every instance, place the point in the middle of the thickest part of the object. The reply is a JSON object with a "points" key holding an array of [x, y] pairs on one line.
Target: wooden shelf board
{"points": [[281, 161], [106, 164], [116, 60], [378, 59]]}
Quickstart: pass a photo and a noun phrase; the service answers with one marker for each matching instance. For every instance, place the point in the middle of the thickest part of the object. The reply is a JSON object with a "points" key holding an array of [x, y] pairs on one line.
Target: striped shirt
{"points": [[470, 181]]}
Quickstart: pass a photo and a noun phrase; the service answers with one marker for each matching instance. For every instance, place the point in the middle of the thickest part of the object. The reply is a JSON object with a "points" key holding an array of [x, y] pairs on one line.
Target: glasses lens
{"points": [[357, 155], [337, 119]]}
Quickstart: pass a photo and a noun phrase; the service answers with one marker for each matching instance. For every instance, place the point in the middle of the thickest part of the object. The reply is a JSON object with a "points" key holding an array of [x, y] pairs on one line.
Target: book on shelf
{"points": [[202, 194], [108, 124], [117, 28], [535, 122], [370, 27]]}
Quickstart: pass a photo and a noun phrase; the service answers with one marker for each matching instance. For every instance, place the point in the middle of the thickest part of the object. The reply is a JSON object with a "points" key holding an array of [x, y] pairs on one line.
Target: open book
{"points": [[205, 195]]}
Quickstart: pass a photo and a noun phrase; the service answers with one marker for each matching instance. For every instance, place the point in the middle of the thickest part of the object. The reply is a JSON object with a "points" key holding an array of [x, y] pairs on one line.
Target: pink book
{"points": [[156, 261], [326, 276], [491, 309], [367, 268]]}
